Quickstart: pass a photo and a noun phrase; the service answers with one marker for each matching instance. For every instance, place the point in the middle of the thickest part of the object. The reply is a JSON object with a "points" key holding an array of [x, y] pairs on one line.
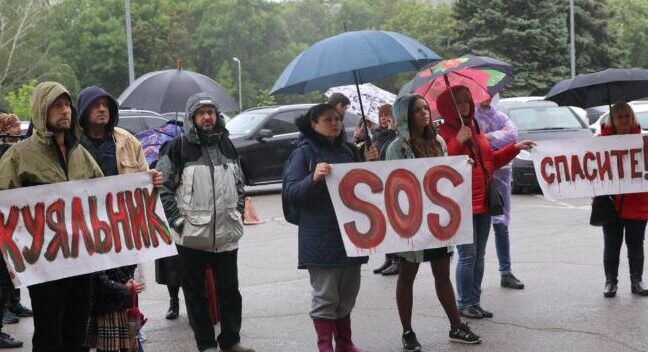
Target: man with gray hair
{"points": [[203, 200]]}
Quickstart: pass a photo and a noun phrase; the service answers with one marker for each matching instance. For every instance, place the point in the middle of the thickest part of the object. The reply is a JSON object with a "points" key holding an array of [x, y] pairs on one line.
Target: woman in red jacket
{"points": [[463, 138], [633, 214]]}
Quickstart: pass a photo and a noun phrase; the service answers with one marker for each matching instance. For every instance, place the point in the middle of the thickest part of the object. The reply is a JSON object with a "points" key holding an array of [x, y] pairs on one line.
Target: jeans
{"points": [[470, 267], [224, 265], [503, 248]]}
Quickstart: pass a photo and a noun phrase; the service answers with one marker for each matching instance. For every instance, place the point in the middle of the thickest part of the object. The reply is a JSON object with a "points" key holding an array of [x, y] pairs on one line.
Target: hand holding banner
{"points": [[402, 205], [591, 167], [71, 228]]}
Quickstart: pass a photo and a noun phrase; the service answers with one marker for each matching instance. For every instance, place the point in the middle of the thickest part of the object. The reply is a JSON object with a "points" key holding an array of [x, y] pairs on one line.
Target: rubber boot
{"points": [[343, 342], [174, 309], [324, 329], [384, 266], [611, 273]]}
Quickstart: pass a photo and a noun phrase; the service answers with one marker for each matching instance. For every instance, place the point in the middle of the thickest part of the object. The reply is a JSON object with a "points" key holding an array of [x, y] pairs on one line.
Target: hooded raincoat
{"points": [[477, 148], [37, 160], [203, 185]]}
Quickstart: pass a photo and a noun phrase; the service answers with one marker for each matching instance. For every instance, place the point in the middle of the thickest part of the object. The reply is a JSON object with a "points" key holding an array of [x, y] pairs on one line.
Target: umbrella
{"points": [[352, 58], [168, 90], [153, 139], [601, 88], [483, 76], [372, 98]]}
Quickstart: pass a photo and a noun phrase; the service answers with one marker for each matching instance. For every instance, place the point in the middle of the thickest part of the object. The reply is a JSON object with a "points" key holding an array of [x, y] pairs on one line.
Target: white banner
{"points": [[402, 205], [591, 166], [66, 229]]}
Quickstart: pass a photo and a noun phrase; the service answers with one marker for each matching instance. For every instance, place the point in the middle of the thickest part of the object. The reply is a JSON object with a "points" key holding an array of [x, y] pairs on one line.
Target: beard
{"points": [[58, 127], [207, 128]]}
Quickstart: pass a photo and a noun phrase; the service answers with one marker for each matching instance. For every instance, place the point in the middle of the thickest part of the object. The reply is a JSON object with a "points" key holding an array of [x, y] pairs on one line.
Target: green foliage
{"points": [[630, 25], [19, 100]]}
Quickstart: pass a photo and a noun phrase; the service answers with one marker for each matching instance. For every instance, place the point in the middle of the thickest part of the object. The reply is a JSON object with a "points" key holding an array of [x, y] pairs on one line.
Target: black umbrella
{"points": [[601, 88], [167, 91]]}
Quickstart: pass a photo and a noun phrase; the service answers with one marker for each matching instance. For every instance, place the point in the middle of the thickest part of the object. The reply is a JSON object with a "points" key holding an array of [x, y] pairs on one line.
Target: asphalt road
{"points": [[555, 252]]}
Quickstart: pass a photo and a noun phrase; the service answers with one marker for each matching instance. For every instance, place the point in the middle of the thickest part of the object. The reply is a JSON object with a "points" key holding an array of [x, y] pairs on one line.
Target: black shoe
{"points": [[483, 311], [392, 270], [7, 341], [22, 311], [8, 317], [463, 334], [510, 281], [174, 309], [410, 343], [471, 313], [637, 287], [610, 289], [384, 266]]}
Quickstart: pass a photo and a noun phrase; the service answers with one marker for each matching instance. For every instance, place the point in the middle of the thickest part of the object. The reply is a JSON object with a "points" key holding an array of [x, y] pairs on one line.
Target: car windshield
{"points": [[246, 122], [544, 118]]}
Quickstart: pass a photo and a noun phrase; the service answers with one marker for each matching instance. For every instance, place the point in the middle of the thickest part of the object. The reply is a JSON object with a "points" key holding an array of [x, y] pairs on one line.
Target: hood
{"points": [[194, 103], [308, 133], [401, 108], [87, 96], [448, 110], [43, 96]]}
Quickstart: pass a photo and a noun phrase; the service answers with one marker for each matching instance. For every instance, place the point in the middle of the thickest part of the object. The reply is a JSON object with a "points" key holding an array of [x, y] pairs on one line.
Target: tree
{"points": [[531, 35], [19, 100], [630, 25]]}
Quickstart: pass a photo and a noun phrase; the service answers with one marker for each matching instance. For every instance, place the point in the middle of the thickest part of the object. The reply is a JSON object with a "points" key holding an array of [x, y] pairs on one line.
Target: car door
{"points": [[271, 153]]}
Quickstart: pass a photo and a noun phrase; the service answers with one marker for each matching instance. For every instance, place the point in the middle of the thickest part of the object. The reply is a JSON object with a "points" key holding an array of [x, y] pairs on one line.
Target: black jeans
{"points": [[61, 311], [224, 265], [634, 238]]}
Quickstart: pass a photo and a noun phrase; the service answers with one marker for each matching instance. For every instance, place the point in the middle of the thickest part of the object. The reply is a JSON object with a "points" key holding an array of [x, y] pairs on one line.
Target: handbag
{"points": [[604, 211], [495, 199], [135, 317]]}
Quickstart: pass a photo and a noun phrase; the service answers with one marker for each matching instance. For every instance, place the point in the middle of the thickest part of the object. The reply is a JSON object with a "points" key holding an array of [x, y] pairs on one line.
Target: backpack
{"points": [[290, 211]]}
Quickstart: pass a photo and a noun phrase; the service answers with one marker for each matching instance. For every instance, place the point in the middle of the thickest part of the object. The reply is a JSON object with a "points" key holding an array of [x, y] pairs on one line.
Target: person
{"points": [[632, 210], [340, 102], [462, 136], [383, 135], [203, 198], [417, 138], [500, 132], [51, 155], [117, 152], [9, 126], [334, 277]]}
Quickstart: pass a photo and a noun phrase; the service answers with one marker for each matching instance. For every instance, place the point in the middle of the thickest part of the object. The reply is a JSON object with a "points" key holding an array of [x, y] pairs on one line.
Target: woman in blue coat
{"points": [[334, 277]]}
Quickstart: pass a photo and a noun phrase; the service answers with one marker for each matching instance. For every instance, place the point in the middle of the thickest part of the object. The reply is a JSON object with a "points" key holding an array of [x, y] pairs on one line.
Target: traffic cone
{"points": [[250, 216]]}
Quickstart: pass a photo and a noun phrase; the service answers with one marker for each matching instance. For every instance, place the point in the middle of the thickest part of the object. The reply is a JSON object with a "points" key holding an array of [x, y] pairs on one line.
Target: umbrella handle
{"points": [[447, 83], [364, 118]]}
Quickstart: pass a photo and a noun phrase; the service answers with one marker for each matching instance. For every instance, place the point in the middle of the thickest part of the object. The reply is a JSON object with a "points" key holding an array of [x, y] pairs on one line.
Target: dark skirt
{"points": [[167, 271]]}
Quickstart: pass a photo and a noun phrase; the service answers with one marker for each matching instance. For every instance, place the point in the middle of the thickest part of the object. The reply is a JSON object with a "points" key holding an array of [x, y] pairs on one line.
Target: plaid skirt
{"points": [[110, 332]]}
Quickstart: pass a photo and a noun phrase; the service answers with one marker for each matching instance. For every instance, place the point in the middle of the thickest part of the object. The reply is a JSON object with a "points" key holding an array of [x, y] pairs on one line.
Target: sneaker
{"points": [[392, 269], [10, 318], [510, 281], [471, 313], [463, 334], [22, 311], [483, 311], [410, 343], [7, 341]]}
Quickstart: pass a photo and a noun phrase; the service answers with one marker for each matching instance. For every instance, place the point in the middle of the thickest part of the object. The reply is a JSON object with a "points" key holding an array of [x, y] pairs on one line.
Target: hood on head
{"points": [[401, 110], [448, 110], [194, 103], [303, 123], [43, 96], [87, 96]]}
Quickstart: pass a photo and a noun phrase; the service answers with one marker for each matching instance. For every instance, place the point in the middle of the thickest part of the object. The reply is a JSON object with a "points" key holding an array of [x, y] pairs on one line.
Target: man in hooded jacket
{"points": [[203, 198], [51, 155]]}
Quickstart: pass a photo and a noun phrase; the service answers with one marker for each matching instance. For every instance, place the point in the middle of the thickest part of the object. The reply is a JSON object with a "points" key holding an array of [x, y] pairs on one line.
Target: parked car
{"points": [[264, 138], [135, 121], [581, 113], [641, 113], [539, 120]]}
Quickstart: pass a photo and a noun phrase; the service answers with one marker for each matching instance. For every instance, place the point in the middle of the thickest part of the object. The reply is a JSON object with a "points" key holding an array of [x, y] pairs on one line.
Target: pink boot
{"points": [[343, 341], [324, 329]]}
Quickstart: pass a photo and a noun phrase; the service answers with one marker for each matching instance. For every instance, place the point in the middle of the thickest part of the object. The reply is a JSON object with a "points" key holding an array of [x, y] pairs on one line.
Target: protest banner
{"points": [[402, 205], [591, 166], [66, 229]]}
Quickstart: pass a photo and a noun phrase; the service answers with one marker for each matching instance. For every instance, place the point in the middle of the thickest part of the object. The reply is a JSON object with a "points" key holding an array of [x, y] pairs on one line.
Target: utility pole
{"points": [[129, 44], [572, 45], [239, 83]]}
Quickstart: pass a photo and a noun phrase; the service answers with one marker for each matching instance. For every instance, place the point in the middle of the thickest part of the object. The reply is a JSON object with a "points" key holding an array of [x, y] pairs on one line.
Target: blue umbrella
{"points": [[350, 58]]}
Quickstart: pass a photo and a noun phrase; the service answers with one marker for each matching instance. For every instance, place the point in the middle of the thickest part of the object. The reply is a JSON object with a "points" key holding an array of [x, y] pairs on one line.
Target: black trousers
{"points": [[6, 287], [224, 265], [61, 310], [634, 238]]}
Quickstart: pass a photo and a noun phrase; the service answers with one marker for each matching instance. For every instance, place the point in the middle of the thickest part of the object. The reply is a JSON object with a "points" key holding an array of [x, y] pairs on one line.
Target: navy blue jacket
{"points": [[320, 240]]}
